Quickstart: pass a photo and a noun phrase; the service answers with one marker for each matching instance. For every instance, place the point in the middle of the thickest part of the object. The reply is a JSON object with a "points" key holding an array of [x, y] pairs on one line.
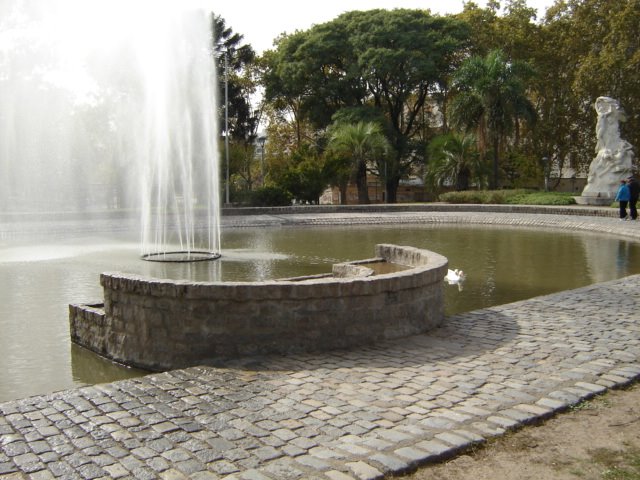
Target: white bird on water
{"points": [[455, 277]]}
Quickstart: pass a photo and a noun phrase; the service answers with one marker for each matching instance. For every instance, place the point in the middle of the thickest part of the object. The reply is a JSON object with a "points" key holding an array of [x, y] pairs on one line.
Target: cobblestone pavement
{"points": [[359, 414]]}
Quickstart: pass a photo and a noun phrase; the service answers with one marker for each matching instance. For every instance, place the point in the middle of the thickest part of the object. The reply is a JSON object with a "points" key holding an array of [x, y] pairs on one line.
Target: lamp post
{"points": [[226, 123], [261, 141], [545, 164]]}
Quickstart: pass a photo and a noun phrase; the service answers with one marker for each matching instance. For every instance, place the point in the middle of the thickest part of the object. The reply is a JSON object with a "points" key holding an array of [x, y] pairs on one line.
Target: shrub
{"points": [[467, 196], [512, 197], [268, 197], [543, 198]]}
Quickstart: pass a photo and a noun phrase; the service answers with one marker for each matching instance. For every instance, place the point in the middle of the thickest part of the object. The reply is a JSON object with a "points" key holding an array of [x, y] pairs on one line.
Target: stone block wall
{"points": [[160, 324]]}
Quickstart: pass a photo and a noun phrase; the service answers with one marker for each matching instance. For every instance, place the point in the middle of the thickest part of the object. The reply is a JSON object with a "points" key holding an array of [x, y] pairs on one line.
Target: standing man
{"points": [[622, 197], [634, 193]]}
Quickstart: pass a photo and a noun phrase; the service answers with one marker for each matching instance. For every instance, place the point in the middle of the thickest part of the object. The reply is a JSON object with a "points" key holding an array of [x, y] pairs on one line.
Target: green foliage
{"points": [[543, 198], [388, 59], [404, 65], [467, 196], [514, 197], [454, 160], [520, 170], [267, 197], [586, 49], [304, 176], [360, 144], [491, 100], [238, 59]]}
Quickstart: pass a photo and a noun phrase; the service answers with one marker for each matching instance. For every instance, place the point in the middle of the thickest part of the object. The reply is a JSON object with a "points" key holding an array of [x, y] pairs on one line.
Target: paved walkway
{"points": [[358, 414]]}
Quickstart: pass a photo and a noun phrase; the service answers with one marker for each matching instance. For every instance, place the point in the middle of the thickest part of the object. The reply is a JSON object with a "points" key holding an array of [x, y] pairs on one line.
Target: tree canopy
{"points": [[390, 60]]}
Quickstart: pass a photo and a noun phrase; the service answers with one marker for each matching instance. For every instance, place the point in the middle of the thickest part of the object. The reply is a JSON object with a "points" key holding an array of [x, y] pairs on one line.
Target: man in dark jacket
{"points": [[634, 190]]}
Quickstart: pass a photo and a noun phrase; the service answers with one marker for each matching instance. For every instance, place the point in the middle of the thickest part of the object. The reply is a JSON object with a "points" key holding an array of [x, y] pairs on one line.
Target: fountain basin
{"points": [[159, 324]]}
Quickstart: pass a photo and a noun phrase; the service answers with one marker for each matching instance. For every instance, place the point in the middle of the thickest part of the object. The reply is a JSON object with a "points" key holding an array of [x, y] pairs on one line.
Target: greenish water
{"points": [[40, 276], [501, 265]]}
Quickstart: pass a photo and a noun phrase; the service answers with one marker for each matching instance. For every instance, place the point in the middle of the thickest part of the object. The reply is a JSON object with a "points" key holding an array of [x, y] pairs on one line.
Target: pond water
{"points": [[40, 274]]}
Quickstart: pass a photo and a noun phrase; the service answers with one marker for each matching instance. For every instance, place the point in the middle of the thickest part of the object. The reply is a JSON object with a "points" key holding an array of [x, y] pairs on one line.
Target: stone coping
{"points": [[581, 210], [604, 221]]}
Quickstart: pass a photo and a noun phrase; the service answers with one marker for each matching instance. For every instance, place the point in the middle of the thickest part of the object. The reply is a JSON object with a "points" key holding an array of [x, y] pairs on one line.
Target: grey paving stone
{"points": [[42, 475], [413, 454], [7, 467], [91, 471], [116, 471], [313, 462], [158, 464], [223, 467], [144, 473], [176, 455], [364, 471], [390, 463], [189, 467]]}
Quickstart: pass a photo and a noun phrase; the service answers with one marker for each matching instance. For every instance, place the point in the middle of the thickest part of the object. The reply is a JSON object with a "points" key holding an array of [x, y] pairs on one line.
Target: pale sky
{"points": [[261, 21]]}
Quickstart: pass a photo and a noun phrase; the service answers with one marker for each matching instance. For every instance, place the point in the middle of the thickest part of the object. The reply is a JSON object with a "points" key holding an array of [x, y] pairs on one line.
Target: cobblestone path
{"points": [[359, 414]]}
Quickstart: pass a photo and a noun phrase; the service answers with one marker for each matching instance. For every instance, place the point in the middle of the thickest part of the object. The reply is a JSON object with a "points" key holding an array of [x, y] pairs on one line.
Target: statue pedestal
{"points": [[601, 199]]}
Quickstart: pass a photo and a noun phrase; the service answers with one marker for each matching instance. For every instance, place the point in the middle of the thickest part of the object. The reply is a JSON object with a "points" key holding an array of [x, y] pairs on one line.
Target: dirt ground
{"points": [[599, 439]]}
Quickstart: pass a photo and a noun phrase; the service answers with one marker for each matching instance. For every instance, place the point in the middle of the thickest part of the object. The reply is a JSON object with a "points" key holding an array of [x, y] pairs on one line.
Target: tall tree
{"points": [[234, 61], [391, 60], [237, 85], [491, 99], [606, 35], [404, 56]]}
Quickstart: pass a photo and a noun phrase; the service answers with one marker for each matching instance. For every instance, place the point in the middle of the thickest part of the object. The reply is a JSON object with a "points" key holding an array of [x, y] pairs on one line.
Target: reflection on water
{"points": [[40, 278], [87, 367]]}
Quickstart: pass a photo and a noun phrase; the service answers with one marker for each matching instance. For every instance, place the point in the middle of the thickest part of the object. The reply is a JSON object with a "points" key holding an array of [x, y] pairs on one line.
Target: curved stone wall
{"points": [[164, 324]]}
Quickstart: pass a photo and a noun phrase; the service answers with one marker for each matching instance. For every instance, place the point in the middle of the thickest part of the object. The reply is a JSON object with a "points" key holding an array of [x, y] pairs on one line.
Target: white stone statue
{"points": [[614, 156]]}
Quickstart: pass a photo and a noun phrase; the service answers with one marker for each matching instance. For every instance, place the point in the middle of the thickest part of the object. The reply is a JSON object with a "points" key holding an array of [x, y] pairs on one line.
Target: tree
{"points": [[391, 60], [339, 171], [491, 99], [454, 160], [303, 175], [233, 60], [404, 56], [483, 27], [237, 84], [603, 36], [362, 143]]}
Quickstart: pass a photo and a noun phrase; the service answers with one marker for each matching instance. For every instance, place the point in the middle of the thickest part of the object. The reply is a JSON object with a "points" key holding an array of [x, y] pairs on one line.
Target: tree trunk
{"points": [[392, 191], [462, 180], [361, 182], [496, 161], [343, 193]]}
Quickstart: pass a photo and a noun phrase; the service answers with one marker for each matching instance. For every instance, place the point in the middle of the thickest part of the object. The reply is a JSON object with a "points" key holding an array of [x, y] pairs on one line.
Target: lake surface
{"points": [[43, 271]]}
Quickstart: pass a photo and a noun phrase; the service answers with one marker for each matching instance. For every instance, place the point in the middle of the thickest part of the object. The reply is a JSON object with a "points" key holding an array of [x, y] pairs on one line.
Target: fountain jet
{"points": [[111, 107]]}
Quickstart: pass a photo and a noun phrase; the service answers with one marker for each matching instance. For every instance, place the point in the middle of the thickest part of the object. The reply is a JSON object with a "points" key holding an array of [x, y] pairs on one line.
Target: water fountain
{"points": [[91, 129], [105, 107]]}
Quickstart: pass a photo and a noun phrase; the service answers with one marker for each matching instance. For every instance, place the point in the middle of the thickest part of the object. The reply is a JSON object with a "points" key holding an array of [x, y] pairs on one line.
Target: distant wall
{"points": [[164, 324]]}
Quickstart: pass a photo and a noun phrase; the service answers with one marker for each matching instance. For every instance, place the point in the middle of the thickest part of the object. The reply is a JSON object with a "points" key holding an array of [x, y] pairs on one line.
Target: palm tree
{"points": [[491, 99], [454, 160], [362, 143]]}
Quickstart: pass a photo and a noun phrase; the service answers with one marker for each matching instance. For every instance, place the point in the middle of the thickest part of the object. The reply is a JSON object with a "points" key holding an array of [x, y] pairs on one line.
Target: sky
{"points": [[261, 21]]}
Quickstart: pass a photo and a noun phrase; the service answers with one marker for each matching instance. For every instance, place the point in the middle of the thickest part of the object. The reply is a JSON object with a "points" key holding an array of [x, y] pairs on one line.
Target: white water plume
{"points": [[110, 106]]}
